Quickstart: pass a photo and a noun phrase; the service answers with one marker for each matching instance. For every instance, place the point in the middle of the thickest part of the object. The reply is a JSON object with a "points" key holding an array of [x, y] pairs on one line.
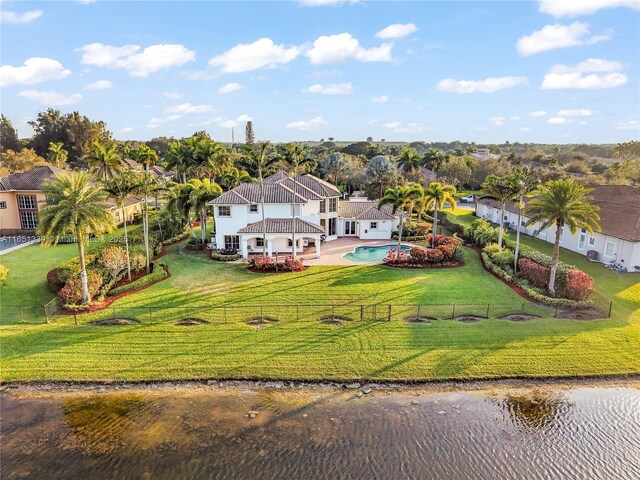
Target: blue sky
{"points": [[556, 71]]}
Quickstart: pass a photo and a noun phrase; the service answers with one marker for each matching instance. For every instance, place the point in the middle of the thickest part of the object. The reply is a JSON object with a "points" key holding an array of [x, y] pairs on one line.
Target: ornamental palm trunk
{"points": [[554, 260], [400, 234], [501, 225], [145, 231], [126, 243], [203, 225], [435, 224], [83, 271], [515, 257], [264, 224]]}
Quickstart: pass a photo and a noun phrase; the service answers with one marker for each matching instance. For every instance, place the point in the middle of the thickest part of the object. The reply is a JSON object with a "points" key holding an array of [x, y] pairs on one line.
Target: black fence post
{"points": [[418, 311], [555, 315], [150, 315], [453, 311], [389, 314], [297, 312], [361, 313], [610, 307], [488, 305]]}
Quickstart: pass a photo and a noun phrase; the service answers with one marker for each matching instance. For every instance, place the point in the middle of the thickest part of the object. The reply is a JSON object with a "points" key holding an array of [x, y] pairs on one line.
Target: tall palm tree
{"points": [[201, 193], [437, 195], [562, 202], [120, 188], [56, 154], [211, 159], [235, 177], [259, 161], [503, 191], [399, 198], [147, 185], [524, 181], [435, 159], [177, 159], [75, 207], [104, 160], [409, 160], [295, 155], [180, 200], [145, 155]]}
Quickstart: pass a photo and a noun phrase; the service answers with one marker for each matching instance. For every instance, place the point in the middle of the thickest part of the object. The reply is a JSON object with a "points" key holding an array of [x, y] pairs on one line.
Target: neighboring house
{"points": [[21, 199], [618, 241], [319, 216], [483, 154]]}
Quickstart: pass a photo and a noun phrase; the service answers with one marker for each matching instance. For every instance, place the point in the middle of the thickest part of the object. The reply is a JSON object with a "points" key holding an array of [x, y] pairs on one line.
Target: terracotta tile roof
{"points": [[247, 193], [321, 187], [282, 225], [31, 180], [619, 210], [364, 211]]}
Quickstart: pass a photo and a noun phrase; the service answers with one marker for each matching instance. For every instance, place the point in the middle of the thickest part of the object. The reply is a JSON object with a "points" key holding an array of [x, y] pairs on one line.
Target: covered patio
{"points": [[278, 237]]}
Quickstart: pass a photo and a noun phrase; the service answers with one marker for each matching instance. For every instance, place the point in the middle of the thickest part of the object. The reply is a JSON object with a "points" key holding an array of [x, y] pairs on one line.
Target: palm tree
{"points": [[145, 155], [120, 188], [409, 160], [435, 159], [180, 200], [399, 198], [146, 185], [562, 202], [104, 160], [235, 177], [437, 195], [201, 193], [295, 155], [75, 207], [503, 191], [258, 160], [56, 154], [177, 159], [524, 181], [211, 159]]}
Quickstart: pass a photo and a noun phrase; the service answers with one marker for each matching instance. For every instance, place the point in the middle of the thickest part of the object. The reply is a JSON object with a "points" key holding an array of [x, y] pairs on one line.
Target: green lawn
{"points": [[298, 345]]}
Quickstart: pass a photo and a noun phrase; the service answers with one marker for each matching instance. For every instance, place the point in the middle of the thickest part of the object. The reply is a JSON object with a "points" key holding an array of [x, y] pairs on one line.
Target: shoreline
{"points": [[422, 386]]}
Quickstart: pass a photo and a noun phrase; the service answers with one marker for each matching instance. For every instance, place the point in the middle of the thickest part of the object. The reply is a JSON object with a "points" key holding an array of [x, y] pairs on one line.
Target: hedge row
{"points": [[220, 257], [159, 274]]}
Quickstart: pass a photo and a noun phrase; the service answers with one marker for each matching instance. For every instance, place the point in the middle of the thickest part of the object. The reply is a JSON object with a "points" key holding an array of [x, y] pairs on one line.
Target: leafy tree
{"points": [[400, 198], [334, 167], [381, 174], [437, 195], [114, 259], [457, 170], [120, 188], [202, 192], [627, 150], [180, 201], [481, 170], [235, 177], [250, 139], [177, 158], [147, 186], [22, 161], [562, 203], [57, 154], [503, 190], [75, 207], [524, 181], [104, 160], [8, 136], [160, 145]]}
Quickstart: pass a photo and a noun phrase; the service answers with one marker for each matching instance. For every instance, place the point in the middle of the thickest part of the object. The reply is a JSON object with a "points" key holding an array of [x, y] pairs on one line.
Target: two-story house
{"points": [[319, 214]]}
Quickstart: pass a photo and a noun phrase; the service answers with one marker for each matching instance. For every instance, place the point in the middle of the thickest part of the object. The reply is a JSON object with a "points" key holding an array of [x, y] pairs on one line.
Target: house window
{"points": [[289, 242], [28, 220], [50, 201], [373, 225], [333, 204], [3, 204], [592, 241], [117, 216], [323, 206], [224, 211], [232, 242], [27, 202], [609, 249], [581, 241], [523, 223], [252, 208], [333, 226], [259, 242], [506, 217]]}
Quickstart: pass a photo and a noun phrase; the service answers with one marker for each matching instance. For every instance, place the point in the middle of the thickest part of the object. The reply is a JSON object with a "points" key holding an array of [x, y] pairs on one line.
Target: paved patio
{"points": [[331, 252]]}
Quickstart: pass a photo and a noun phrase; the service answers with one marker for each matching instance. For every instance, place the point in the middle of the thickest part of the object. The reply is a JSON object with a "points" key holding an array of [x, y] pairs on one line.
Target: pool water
{"points": [[372, 254]]}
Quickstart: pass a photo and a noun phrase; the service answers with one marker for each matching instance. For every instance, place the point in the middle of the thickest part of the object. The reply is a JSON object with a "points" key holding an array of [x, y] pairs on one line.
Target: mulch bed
{"points": [[420, 319], [261, 322], [427, 267], [115, 322], [518, 317], [468, 318], [336, 320], [515, 288], [579, 314], [253, 270], [191, 321]]}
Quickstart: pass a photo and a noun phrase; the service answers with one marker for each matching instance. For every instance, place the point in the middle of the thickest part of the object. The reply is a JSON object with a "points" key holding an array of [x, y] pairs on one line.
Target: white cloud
{"points": [[397, 30], [137, 62], [538, 113], [580, 112], [380, 99], [262, 53], [583, 122], [172, 95], [489, 85], [330, 89], [308, 125], [372, 121], [393, 125], [497, 121], [579, 76], [35, 70], [51, 98], [558, 120], [99, 85], [525, 129], [324, 3], [557, 36], [126, 130], [187, 108], [230, 87], [155, 121], [229, 122], [399, 127], [514, 118], [343, 47], [628, 125], [18, 18], [571, 8]]}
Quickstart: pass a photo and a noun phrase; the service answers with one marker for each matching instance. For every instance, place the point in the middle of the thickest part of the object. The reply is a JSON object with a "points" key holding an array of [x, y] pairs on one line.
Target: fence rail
{"points": [[320, 312]]}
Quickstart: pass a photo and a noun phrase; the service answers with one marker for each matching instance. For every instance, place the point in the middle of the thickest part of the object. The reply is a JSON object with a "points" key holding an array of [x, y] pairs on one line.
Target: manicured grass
{"points": [[303, 348]]}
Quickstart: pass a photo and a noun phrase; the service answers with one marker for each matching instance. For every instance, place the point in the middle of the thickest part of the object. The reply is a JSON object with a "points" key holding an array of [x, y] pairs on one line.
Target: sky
{"points": [[549, 71]]}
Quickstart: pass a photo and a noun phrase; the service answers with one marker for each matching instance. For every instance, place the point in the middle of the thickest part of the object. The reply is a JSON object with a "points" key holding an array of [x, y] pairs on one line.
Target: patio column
{"points": [[269, 247], [317, 247], [294, 247], [244, 250]]}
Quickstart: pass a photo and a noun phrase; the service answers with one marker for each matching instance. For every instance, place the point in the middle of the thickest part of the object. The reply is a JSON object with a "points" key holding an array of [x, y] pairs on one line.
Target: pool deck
{"points": [[18, 246], [331, 252]]}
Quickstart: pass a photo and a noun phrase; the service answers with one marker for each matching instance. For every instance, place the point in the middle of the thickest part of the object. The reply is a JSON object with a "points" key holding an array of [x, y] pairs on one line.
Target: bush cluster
{"points": [[447, 251], [158, 274], [4, 273], [481, 232], [71, 293], [268, 264], [224, 256]]}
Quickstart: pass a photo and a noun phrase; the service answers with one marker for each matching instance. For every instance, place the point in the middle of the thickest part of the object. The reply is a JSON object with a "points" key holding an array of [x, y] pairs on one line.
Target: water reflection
{"points": [[212, 433]]}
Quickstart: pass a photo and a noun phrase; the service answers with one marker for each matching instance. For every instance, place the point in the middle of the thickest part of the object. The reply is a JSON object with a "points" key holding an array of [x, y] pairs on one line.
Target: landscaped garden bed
{"points": [[446, 254], [260, 264], [225, 255]]}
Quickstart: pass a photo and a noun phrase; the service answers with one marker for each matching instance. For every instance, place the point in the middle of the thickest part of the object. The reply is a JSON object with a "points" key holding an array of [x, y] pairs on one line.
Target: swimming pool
{"points": [[371, 254]]}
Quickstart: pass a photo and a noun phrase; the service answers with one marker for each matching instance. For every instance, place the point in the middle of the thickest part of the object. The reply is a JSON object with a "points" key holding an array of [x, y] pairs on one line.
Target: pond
{"points": [[372, 253], [314, 433]]}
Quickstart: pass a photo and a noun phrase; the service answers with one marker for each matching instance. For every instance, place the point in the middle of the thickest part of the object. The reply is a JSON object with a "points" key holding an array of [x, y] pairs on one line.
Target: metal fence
{"points": [[324, 313]]}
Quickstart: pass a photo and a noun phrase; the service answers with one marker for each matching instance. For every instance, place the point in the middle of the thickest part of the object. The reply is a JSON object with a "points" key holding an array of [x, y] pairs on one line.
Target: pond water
{"points": [[372, 254], [582, 433]]}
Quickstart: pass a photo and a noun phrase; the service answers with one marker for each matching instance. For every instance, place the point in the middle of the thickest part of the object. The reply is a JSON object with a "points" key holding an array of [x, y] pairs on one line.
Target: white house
{"points": [[618, 241], [320, 215]]}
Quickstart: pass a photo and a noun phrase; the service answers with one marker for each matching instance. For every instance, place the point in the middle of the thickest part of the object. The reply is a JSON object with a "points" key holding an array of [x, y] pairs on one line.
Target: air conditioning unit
{"points": [[592, 255]]}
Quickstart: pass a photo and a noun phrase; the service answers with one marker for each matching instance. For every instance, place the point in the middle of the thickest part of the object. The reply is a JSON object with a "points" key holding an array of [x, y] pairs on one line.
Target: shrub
{"points": [[535, 273], [481, 232], [138, 261], [71, 293], [53, 281], [579, 285], [268, 264], [4, 273], [158, 274], [447, 251], [224, 257], [491, 248], [443, 240], [114, 259], [293, 265], [418, 255], [504, 258], [434, 255], [71, 268]]}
